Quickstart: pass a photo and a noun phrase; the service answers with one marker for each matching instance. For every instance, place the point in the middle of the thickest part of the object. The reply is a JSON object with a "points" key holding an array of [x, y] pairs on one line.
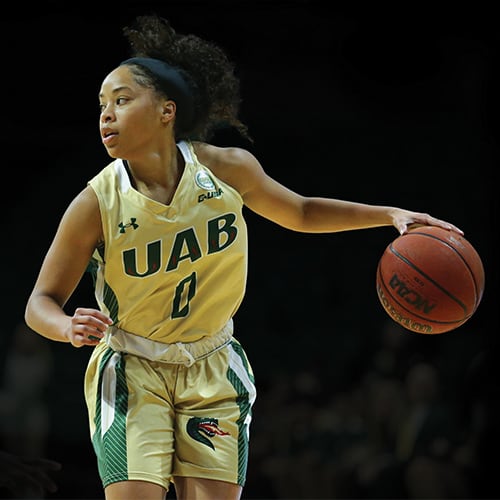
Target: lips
{"points": [[108, 136]]}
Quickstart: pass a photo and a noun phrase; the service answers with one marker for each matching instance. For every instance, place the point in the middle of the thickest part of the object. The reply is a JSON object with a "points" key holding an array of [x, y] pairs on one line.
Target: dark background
{"points": [[396, 107]]}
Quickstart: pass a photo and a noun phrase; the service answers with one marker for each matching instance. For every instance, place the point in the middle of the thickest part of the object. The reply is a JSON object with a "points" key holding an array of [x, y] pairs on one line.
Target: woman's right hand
{"points": [[87, 327]]}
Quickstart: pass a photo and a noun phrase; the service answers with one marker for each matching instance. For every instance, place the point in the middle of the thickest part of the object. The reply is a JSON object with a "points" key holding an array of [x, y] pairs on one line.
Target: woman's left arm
{"points": [[267, 197]]}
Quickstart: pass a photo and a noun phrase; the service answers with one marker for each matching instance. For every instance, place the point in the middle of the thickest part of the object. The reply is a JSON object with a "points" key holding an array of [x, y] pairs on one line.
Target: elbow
{"points": [[27, 313], [30, 311]]}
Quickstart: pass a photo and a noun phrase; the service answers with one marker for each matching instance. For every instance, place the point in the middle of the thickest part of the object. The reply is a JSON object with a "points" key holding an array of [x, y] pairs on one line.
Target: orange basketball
{"points": [[430, 280]]}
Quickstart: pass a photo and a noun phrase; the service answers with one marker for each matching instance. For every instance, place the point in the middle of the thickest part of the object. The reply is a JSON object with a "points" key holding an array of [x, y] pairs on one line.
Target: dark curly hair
{"points": [[205, 66]]}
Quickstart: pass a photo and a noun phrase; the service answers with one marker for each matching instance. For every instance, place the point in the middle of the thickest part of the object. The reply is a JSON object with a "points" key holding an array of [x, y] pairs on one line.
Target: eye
{"points": [[119, 101]]}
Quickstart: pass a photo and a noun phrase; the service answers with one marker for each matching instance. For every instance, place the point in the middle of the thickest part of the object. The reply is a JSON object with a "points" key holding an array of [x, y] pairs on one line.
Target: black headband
{"points": [[173, 84]]}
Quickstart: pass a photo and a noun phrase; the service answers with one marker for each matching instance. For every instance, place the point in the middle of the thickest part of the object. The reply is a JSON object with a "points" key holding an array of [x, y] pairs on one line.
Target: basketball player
{"points": [[168, 387]]}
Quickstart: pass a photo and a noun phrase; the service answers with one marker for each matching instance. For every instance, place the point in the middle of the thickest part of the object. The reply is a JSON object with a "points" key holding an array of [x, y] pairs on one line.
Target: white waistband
{"points": [[179, 353]]}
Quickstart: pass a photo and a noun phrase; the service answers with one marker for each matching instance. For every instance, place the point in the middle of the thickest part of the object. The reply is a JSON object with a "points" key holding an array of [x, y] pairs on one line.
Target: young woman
{"points": [[169, 389]]}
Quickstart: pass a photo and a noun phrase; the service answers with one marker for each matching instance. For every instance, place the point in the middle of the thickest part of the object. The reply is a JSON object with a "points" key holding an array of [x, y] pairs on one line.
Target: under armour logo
{"points": [[131, 224]]}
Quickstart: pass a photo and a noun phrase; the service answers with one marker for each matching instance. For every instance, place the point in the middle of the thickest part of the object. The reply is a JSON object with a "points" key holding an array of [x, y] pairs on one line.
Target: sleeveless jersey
{"points": [[170, 273]]}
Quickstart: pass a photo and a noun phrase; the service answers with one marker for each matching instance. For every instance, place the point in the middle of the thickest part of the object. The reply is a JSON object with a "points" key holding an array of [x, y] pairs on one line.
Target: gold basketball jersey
{"points": [[170, 273]]}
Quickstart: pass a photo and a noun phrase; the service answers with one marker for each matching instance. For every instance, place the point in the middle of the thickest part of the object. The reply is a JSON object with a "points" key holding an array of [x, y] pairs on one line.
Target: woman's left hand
{"points": [[404, 220]]}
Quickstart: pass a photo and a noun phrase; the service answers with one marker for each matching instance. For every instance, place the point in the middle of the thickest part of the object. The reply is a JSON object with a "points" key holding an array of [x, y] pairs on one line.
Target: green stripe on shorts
{"points": [[110, 439], [243, 382]]}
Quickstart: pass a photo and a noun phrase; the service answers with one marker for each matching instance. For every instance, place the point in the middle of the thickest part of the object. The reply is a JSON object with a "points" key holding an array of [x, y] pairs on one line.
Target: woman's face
{"points": [[132, 120]]}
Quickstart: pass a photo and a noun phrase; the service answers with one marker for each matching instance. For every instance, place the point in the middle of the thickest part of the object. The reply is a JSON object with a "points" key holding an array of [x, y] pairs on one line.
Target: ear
{"points": [[168, 111]]}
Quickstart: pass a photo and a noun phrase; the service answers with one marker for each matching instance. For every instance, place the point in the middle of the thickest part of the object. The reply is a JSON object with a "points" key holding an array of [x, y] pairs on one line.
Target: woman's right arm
{"points": [[76, 238]]}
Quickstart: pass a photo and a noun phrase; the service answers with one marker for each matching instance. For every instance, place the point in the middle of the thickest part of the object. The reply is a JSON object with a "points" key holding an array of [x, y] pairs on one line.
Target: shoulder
{"points": [[84, 211], [234, 165], [85, 203], [110, 171], [215, 157]]}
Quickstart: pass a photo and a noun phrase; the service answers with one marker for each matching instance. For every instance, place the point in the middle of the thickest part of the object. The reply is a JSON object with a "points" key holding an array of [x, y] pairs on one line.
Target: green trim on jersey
{"points": [[109, 298]]}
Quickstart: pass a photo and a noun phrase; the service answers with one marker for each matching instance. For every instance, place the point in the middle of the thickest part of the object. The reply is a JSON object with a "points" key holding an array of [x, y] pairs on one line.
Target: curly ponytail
{"points": [[205, 66]]}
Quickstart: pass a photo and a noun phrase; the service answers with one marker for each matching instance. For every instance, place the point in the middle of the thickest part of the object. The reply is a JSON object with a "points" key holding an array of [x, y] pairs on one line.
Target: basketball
{"points": [[430, 280]]}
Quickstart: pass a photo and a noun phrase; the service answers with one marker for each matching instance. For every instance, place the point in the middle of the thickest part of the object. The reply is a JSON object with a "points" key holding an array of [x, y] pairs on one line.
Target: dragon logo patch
{"points": [[203, 429]]}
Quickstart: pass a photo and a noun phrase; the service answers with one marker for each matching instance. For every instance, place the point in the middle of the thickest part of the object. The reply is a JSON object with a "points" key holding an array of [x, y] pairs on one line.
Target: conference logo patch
{"points": [[204, 180], [204, 429]]}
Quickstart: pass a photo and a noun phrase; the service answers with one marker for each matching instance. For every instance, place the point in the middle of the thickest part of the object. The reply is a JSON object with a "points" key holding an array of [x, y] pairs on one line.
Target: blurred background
{"points": [[396, 107]]}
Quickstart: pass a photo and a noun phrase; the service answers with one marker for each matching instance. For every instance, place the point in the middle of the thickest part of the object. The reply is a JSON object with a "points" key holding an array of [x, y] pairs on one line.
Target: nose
{"points": [[106, 115]]}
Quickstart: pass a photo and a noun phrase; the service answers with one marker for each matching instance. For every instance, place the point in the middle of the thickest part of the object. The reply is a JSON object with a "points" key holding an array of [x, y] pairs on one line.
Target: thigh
{"points": [[134, 489], [131, 418], [213, 403], [189, 488]]}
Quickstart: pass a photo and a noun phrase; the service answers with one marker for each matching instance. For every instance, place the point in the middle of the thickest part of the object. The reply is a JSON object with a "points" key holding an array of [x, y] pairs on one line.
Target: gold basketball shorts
{"points": [[155, 420]]}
